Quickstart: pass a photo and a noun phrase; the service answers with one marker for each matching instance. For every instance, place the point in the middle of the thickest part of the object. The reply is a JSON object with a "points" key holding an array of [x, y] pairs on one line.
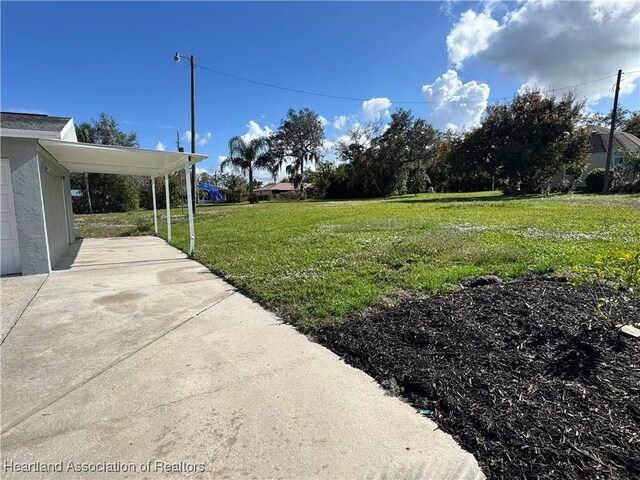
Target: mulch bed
{"points": [[513, 372]]}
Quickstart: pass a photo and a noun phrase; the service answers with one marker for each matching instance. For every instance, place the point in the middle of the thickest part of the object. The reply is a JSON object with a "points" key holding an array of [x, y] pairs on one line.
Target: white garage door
{"points": [[9, 246]]}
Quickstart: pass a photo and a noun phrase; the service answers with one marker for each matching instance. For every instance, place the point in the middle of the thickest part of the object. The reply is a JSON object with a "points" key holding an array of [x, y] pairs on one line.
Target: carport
{"points": [[84, 157]]}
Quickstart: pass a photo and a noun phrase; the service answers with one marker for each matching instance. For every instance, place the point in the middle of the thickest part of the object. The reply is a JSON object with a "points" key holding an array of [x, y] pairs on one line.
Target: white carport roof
{"points": [[87, 157]]}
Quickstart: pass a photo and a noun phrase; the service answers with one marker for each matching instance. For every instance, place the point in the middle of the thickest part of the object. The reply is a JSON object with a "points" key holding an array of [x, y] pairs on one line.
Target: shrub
{"points": [[288, 196], [595, 180], [565, 186], [630, 187], [234, 195], [141, 226]]}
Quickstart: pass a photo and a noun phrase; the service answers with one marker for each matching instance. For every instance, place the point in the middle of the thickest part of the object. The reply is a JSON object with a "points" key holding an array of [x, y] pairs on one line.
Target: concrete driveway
{"points": [[136, 362]]}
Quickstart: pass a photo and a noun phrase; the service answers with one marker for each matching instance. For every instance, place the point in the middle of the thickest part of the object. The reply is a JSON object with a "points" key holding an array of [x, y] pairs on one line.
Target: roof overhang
{"points": [[87, 157], [67, 133]]}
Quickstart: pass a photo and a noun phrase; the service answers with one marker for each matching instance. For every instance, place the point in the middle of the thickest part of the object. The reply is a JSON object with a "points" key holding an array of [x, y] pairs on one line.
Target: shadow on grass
{"points": [[466, 198]]}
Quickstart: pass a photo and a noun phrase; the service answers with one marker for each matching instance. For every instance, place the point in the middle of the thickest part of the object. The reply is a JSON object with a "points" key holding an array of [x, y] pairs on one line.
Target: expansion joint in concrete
{"points": [[23, 310]]}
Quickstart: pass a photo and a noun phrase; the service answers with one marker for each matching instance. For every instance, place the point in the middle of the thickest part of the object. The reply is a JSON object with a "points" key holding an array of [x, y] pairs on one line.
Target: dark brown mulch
{"points": [[513, 372]]}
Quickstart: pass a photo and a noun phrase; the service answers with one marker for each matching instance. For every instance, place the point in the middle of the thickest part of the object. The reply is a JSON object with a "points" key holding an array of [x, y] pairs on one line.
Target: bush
{"points": [[630, 187], [595, 180], [234, 195], [565, 186]]}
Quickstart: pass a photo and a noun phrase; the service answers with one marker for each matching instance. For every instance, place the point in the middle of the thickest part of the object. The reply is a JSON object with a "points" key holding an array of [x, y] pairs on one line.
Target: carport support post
{"points": [[190, 206], [155, 211], [168, 200]]}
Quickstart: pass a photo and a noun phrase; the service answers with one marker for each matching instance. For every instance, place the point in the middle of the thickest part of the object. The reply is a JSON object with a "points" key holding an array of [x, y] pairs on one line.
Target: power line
{"points": [[356, 99]]}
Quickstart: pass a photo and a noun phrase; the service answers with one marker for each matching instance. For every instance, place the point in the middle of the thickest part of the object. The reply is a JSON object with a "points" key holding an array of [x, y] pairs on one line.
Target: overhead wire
{"points": [[357, 99]]}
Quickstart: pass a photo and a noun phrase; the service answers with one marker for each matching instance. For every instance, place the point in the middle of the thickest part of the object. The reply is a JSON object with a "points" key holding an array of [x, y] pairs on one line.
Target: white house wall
{"points": [[56, 191], [596, 160], [27, 195]]}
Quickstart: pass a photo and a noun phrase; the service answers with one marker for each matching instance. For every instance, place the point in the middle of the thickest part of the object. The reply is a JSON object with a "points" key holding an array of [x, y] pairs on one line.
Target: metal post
{"points": [[168, 200], [155, 211], [190, 205], [193, 128], [605, 188]]}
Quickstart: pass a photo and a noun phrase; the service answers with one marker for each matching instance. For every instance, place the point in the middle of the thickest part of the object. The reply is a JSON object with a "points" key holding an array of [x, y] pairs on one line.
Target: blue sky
{"points": [[79, 59]]}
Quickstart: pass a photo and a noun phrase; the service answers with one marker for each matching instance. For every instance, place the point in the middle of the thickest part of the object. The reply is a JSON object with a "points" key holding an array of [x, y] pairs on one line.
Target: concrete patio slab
{"points": [[145, 367], [17, 292]]}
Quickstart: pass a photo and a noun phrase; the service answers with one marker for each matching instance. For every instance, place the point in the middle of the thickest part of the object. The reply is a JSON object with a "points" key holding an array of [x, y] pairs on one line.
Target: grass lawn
{"points": [[315, 262]]}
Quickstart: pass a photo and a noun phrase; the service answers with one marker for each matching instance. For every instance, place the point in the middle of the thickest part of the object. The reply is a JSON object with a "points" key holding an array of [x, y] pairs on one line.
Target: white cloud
{"points": [[266, 177], [255, 131], [161, 147], [459, 105], [551, 44], [340, 121], [328, 144], [200, 170], [447, 8], [201, 140], [375, 109], [323, 121], [204, 140], [470, 35]]}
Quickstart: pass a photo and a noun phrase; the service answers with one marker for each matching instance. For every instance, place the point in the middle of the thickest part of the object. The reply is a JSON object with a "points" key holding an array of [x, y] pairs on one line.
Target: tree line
{"points": [[518, 146], [103, 193]]}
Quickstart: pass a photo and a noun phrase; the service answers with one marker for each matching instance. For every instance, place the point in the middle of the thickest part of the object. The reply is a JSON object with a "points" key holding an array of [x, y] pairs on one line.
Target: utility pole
{"points": [[607, 172], [192, 60]]}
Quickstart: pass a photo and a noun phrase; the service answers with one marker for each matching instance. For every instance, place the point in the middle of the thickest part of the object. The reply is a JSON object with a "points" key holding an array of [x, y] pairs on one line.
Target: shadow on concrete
{"points": [[69, 257]]}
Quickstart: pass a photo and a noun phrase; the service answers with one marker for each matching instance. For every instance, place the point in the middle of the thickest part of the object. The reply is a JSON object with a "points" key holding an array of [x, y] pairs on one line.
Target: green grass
{"points": [[315, 262]]}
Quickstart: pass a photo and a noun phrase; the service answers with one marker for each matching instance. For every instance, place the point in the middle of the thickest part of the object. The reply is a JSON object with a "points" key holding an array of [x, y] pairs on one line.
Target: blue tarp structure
{"points": [[214, 193]]}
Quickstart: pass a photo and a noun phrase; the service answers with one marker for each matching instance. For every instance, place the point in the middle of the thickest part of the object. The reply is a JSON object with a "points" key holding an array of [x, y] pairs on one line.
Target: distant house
{"points": [[276, 189], [623, 144], [78, 200]]}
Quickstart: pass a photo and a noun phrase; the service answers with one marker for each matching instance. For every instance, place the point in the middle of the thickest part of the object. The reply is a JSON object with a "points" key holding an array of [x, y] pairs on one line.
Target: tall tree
{"points": [[633, 125], [395, 162], [403, 154], [106, 131], [297, 142], [623, 116], [247, 157], [534, 137]]}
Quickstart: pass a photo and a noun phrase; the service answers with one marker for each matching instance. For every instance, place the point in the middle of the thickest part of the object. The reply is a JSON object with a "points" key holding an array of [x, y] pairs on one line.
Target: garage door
{"points": [[10, 249]]}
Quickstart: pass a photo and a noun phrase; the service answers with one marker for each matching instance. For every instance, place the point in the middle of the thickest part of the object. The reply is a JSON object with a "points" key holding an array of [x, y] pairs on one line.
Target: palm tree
{"points": [[248, 156]]}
